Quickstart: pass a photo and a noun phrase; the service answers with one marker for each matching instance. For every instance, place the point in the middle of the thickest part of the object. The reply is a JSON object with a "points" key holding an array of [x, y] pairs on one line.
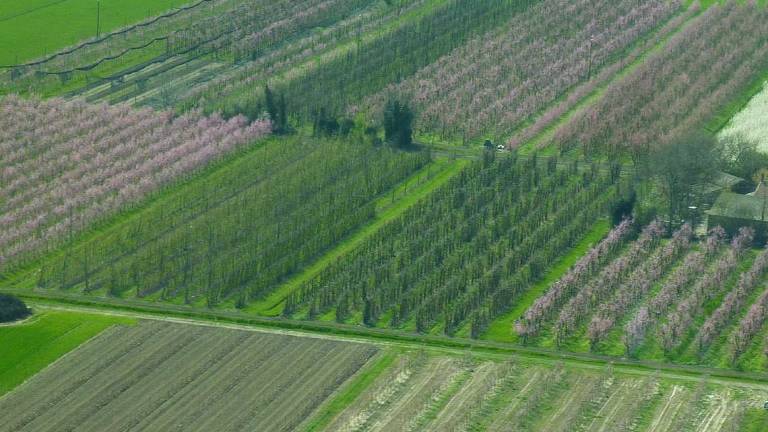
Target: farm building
{"points": [[732, 211], [723, 182]]}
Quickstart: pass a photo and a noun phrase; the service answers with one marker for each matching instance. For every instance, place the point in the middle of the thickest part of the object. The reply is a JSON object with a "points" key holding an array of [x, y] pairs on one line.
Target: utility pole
{"points": [[98, 18]]}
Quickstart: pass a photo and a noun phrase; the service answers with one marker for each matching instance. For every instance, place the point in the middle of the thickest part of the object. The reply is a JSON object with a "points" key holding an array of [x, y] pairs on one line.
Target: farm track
{"points": [[356, 334], [721, 407], [671, 406]]}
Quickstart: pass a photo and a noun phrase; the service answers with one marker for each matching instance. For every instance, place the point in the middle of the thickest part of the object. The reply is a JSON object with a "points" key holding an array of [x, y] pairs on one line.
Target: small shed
{"points": [[722, 182], [732, 211]]}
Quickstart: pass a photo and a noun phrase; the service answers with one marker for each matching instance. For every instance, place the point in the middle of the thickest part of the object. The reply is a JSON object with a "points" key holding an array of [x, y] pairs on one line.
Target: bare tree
{"points": [[681, 167]]}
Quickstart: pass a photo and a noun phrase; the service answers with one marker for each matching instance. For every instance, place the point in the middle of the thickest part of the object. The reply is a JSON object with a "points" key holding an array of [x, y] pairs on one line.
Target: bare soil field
{"points": [[161, 376]]}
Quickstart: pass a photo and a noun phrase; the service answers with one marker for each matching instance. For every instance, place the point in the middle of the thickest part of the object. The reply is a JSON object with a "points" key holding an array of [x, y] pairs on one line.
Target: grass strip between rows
{"points": [[387, 208], [350, 392], [501, 329]]}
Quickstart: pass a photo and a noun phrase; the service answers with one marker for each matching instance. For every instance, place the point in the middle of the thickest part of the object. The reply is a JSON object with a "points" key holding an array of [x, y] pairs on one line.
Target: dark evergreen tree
{"points": [[623, 208], [398, 124], [12, 309], [269, 100], [277, 110]]}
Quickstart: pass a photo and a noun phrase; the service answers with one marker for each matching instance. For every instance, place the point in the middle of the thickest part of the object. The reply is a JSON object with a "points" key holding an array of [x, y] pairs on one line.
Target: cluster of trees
{"points": [[742, 158], [344, 80], [613, 283], [233, 90], [544, 307], [237, 234], [732, 304], [325, 124], [465, 254], [689, 305], [681, 168], [671, 290], [66, 164], [637, 285], [498, 81], [276, 110], [12, 309], [701, 70], [601, 288], [398, 124]]}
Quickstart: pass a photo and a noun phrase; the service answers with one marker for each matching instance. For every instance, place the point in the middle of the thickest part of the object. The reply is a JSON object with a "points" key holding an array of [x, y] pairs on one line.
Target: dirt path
{"points": [[674, 401], [721, 406]]}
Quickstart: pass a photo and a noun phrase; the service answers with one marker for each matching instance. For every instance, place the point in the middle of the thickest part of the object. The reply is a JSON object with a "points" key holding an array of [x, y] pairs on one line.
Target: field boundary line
{"points": [[393, 338], [68, 50], [33, 10], [327, 412]]}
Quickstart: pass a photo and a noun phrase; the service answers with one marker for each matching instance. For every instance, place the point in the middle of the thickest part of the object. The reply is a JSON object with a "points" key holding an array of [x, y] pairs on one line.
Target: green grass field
{"points": [[28, 347], [34, 28]]}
